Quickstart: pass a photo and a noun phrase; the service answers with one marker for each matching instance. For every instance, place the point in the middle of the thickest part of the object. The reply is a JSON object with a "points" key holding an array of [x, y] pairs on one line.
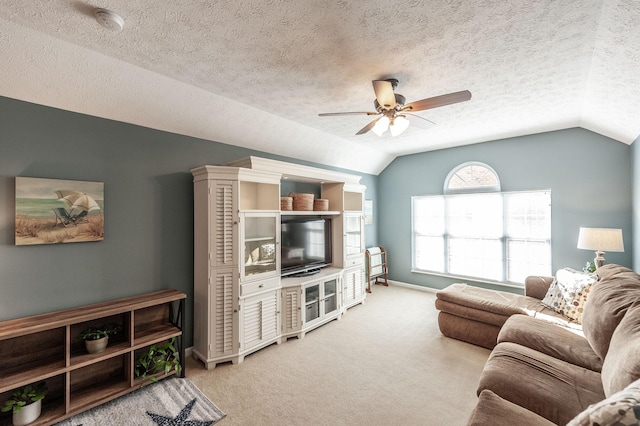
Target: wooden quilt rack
{"points": [[376, 266]]}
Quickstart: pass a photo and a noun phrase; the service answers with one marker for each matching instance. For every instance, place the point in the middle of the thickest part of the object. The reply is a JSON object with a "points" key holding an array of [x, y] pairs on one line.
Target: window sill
{"points": [[465, 278]]}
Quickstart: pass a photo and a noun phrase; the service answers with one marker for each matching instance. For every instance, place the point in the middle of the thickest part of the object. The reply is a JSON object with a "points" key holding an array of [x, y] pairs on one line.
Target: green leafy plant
{"points": [[589, 267], [162, 357], [24, 396], [95, 333]]}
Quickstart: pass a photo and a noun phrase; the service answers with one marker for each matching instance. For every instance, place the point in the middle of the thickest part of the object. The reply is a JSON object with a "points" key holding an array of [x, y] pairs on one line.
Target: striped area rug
{"points": [[169, 402]]}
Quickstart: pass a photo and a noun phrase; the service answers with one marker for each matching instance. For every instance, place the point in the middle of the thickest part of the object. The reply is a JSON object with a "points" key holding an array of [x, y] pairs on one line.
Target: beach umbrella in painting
{"points": [[77, 200]]}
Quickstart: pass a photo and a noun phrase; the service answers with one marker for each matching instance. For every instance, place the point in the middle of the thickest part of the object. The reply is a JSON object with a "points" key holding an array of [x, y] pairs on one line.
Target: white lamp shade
{"points": [[601, 239], [400, 124], [381, 126]]}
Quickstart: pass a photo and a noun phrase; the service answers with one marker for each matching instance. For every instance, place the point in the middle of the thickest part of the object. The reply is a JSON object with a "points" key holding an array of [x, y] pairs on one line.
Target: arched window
{"points": [[475, 230], [472, 176]]}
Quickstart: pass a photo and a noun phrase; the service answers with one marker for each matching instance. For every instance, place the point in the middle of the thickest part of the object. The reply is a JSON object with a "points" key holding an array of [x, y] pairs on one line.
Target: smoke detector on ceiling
{"points": [[109, 19]]}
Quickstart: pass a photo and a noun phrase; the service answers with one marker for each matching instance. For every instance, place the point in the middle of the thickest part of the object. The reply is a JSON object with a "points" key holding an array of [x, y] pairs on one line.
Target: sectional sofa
{"points": [[548, 369]]}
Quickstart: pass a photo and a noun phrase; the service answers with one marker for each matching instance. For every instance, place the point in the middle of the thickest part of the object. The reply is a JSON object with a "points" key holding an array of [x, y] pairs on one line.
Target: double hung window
{"points": [[496, 236]]}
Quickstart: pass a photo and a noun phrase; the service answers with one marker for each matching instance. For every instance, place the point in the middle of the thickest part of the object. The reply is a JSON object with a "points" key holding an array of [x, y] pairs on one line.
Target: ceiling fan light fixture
{"points": [[399, 125], [393, 108], [381, 126]]}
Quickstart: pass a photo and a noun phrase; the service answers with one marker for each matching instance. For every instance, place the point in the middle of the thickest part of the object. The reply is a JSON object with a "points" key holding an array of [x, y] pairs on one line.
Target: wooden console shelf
{"points": [[46, 348]]}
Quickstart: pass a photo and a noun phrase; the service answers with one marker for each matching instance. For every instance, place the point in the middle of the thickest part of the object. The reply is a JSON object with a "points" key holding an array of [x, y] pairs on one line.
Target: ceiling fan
{"points": [[395, 114]]}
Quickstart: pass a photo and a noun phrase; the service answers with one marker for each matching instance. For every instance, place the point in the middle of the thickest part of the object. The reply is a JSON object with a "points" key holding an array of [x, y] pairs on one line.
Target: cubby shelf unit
{"points": [[46, 348]]}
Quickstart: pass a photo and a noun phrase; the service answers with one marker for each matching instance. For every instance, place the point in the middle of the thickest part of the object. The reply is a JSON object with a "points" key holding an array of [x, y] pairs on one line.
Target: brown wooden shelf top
{"points": [[48, 321]]}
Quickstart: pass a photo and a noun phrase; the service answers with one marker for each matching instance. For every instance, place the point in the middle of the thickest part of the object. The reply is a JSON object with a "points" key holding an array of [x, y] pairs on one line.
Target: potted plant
{"points": [[162, 357], [589, 267], [25, 403], [96, 339]]}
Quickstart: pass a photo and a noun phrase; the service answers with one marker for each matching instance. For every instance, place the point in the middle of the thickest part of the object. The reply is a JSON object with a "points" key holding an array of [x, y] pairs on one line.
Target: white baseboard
{"points": [[413, 286]]}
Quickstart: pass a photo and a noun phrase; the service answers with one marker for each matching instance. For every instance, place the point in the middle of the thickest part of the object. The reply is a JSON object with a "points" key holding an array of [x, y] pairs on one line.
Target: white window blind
{"points": [[499, 236]]}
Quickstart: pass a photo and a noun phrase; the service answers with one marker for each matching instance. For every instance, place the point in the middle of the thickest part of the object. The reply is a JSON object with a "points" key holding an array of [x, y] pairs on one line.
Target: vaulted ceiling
{"points": [[256, 73]]}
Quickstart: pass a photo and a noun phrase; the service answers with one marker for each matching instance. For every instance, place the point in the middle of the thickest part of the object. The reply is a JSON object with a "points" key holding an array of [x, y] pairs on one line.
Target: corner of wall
{"points": [[635, 200]]}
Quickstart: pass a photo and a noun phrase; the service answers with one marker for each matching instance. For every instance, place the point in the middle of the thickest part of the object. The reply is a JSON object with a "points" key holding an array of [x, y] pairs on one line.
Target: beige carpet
{"points": [[383, 363]]}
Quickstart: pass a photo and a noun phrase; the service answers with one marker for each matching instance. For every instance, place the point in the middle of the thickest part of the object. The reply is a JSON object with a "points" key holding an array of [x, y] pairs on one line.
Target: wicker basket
{"points": [[302, 202], [320, 204], [286, 204]]}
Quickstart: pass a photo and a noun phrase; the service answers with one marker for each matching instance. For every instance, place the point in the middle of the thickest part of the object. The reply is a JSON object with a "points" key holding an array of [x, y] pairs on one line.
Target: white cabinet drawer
{"points": [[354, 261], [257, 286]]}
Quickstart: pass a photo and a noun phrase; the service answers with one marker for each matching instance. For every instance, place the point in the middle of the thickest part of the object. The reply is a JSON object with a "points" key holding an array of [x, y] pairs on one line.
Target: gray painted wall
{"points": [[590, 177], [148, 241], [149, 202]]}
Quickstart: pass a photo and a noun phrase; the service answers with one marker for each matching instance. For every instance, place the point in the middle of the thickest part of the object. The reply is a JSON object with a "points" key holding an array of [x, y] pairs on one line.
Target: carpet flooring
{"points": [[383, 363]]}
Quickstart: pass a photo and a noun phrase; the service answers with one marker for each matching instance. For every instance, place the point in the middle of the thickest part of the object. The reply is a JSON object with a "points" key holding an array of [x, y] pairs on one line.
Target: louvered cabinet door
{"points": [[260, 319], [292, 322], [224, 244], [224, 305], [353, 285]]}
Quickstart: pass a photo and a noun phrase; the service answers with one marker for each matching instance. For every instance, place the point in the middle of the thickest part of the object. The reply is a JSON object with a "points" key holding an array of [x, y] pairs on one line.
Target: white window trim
{"points": [[447, 190], [468, 278]]}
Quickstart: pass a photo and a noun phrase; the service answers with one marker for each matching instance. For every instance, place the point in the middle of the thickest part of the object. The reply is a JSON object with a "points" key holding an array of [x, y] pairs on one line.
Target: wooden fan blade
{"points": [[384, 93], [438, 101], [419, 122], [332, 114], [368, 127]]}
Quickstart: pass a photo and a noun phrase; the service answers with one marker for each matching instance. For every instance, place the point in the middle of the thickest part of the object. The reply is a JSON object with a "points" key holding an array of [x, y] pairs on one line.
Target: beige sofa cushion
{"points": [[494, 307], [549, 387], [618, 288], [473, 331], [548, 338], [491, 301], [622, 364], [470, 313]]}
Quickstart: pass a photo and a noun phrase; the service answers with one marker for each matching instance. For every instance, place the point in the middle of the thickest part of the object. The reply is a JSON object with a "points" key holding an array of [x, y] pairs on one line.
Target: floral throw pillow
{"points": [[568, 293], [620, 409]]}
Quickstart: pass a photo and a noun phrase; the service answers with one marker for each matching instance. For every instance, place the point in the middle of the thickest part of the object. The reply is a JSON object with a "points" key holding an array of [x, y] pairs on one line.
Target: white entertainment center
{"points": [[242, 303]]}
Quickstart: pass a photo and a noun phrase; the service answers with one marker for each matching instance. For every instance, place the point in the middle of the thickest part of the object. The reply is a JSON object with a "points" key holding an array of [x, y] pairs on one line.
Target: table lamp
{"points": [[600, 240]]}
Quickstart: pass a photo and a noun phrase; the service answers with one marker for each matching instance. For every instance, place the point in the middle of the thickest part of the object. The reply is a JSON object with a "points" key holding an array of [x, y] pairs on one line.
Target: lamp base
{"points": [[599, 259]]}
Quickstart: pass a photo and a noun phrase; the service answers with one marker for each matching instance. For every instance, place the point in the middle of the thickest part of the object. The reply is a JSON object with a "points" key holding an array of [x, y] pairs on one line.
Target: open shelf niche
{"points": [[47, 348]]}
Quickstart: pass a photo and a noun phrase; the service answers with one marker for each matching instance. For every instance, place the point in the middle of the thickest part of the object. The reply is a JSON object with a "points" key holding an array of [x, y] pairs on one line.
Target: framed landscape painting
{"points": [[51, 211]]}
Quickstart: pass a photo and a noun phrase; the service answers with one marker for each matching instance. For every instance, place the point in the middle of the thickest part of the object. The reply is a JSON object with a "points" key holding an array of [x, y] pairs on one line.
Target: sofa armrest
{"points": [[537, 286]]}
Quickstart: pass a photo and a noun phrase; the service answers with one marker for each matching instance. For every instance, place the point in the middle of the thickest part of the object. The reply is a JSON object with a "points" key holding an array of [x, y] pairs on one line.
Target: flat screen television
{"points": [[305, 245]]}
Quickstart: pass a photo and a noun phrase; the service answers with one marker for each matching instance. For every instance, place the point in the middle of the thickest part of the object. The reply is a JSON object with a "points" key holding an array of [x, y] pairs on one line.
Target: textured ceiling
{"points": [[256, 73]]}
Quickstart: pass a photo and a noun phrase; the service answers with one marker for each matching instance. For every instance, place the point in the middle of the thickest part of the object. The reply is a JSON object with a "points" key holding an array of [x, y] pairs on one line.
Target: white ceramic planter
{"points": [[28, 414], [96, 346]]}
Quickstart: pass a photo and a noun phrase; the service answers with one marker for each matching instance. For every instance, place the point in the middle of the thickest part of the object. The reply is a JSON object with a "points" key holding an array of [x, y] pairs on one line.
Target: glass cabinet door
{"points": [[353, 234], [312, 302], [260, 245], [330, 296]]}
